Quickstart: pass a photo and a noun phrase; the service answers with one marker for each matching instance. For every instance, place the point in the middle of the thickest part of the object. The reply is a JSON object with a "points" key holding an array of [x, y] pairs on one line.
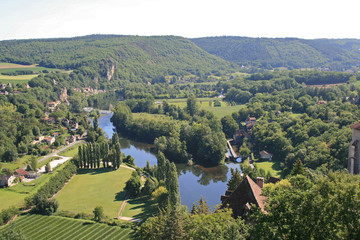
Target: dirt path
{"points": [[59, 150]]}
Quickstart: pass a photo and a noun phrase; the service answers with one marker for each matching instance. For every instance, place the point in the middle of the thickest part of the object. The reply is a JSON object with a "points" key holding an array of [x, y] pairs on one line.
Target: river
{"points": [[194, 181]]}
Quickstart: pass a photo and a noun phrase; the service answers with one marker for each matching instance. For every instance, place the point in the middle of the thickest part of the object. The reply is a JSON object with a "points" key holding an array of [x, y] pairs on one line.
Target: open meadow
{"points": [[95, 187], [272, 167], [9, 72], [53, 227], [208, 105]]}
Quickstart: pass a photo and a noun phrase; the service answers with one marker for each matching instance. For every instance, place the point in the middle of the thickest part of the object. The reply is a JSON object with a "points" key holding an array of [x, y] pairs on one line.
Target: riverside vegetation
{"points": [[303, 118]]}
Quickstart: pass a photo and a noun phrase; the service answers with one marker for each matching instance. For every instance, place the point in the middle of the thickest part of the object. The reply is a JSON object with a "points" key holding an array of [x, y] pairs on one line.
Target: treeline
{"points": [[92, 154], [41, 200]]}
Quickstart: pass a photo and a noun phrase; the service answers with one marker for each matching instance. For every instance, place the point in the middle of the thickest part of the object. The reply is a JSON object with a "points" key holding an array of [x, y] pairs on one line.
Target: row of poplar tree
{"points": [[92, 154]]}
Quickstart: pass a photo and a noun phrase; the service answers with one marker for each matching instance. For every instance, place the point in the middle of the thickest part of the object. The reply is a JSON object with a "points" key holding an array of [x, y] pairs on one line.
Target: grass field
{"points": [[52, 227], [14, 196], [12, 68], [142, 208], [91, 188], [70, 152], [270, 166], [204, 103]]}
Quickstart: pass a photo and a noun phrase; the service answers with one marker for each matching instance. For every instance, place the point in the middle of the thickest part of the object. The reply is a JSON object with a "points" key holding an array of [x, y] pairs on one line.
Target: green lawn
{"points": [[14, 196], [270, 166], [20, 162], [71, 151], [91, 188], [53, 227], [204, 103], [141, 208], [10, 198]]}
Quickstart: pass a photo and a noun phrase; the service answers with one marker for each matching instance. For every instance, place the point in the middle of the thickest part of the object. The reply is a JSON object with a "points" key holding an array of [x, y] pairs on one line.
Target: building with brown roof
{"points": [[21, 172], [247, 193], [265, 155]]}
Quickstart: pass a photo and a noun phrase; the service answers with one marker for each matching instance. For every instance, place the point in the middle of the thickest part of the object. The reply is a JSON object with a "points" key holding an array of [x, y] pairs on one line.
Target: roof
{"points": [[356, 126], [248, 192], [21, 172], [265, 152]]}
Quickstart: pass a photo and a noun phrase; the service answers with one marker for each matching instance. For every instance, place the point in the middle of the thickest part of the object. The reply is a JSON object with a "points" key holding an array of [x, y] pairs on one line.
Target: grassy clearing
{"points": [[70, 152], [95, 187], [53, 227], [142, 208], [208, 105], [15, 195], [20, 162], [10, 198], [272, 167]]}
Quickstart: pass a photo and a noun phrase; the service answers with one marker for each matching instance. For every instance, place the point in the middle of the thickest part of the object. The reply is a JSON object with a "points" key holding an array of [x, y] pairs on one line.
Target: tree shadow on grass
{"points": [[87, 223], [120, 196], [94, 171], [147, 206]]}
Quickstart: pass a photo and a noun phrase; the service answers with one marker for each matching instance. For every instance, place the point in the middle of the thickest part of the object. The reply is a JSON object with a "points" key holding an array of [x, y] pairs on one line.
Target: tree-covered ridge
{"points": [[334, 54], [121, 57]]}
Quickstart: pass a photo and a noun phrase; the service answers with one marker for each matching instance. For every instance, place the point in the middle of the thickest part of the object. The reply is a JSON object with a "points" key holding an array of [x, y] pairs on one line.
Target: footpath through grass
{"points": [[52, 227], [95, 187]]}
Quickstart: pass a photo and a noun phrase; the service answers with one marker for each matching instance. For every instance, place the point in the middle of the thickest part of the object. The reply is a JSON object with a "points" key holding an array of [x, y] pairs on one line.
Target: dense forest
{"points": [[116, 57], [292, 53]]}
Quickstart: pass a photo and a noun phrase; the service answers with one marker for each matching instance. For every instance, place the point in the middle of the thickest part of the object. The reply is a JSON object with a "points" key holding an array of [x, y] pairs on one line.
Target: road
{"points": [[59, 150]]}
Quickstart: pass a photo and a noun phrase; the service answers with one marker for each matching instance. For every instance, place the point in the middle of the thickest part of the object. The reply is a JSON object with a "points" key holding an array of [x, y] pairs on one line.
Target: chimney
{"points": [[260, 182]]}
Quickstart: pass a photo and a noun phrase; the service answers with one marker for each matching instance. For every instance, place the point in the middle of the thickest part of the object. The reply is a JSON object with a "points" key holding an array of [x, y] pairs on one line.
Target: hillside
{"points": [[121, 57], [333, 54]]}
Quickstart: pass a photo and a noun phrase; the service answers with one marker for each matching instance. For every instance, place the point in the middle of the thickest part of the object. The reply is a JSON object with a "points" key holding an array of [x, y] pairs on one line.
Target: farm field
{"points": [[53, 227], [204, 103], [95, 187], [8, 68], [269, 166]]}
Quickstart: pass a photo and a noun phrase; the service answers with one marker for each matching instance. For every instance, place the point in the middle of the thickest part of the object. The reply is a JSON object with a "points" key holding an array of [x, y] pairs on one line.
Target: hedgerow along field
{"points": [[52, 227], [95, 187]]}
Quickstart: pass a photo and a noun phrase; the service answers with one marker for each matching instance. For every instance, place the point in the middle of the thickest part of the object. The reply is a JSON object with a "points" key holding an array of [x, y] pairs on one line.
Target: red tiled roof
{"points": [[21, 172]]}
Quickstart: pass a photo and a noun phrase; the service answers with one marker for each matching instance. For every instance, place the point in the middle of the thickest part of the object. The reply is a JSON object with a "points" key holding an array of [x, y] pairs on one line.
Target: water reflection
{"points": [[194, 181]]}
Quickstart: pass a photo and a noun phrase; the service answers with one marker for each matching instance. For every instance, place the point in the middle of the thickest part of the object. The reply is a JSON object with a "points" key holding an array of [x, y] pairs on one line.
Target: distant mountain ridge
{"points": [[332, 54], [125, 57]]}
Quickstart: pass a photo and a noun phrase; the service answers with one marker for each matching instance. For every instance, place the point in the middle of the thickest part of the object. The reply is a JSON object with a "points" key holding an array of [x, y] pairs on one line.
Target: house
{"points": [[248, 192], [250, 122], [239, 135], [49, 140], [265, 155], [31, 175], [39, 138], [71, 139], [20, 172], [73, 125], [52, 105], [320, 102], [55, 134], [6, 180]]}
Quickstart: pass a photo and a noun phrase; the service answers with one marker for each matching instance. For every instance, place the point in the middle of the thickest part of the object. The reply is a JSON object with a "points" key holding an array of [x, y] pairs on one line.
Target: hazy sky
{"points": [[21, 19]]}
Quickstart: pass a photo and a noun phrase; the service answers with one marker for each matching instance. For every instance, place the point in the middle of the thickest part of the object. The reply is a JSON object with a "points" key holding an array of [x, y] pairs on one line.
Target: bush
{"points": [[7, 214], [133, 185]]}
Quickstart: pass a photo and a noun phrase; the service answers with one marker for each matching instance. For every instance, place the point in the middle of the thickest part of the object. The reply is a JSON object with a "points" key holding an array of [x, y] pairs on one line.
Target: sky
{"points": [[24, 19]]}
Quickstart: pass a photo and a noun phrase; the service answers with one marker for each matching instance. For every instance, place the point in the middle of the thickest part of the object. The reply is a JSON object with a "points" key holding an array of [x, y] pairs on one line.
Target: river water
{"points": [[194, 181]]}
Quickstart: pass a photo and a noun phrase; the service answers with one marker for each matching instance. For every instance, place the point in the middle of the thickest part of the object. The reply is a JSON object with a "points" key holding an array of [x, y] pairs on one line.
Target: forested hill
{"points": [[334, 54], [130, 57]]}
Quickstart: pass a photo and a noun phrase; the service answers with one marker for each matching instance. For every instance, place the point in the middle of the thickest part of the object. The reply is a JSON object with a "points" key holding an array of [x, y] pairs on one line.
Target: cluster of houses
{"points": [[4, 92], [49, 140], [20, 175], [88, 90]]}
